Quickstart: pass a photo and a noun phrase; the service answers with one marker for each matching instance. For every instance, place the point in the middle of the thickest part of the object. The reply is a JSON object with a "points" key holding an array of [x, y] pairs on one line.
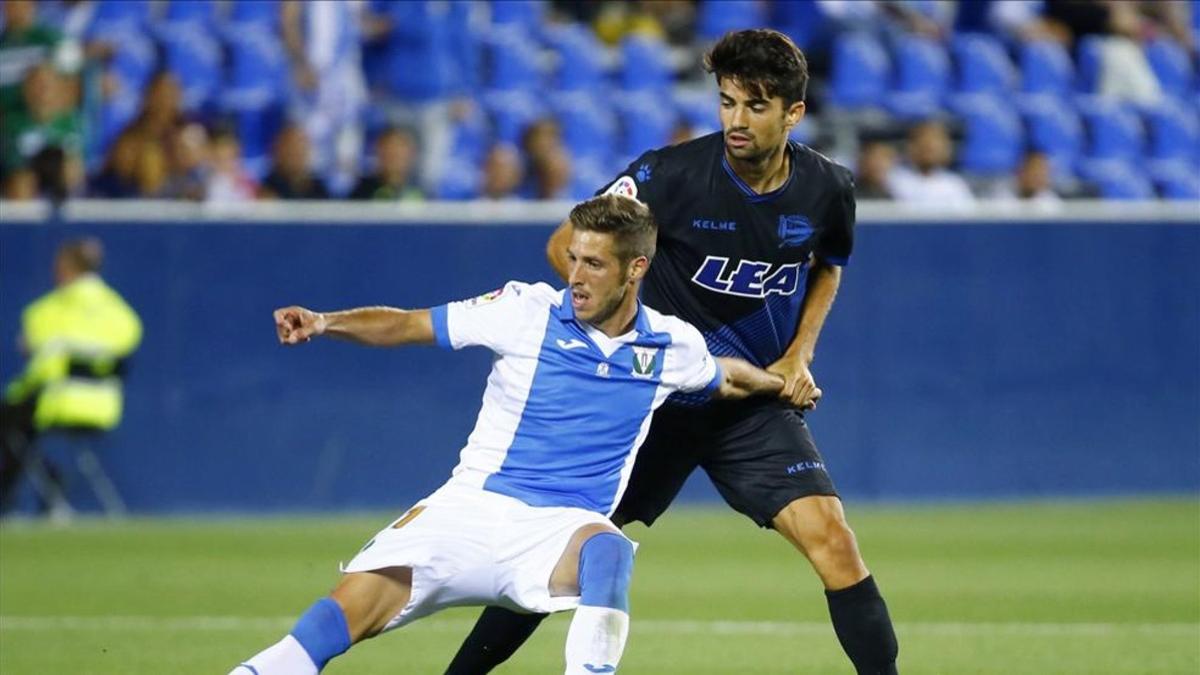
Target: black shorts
{"points": [[758, 453]]}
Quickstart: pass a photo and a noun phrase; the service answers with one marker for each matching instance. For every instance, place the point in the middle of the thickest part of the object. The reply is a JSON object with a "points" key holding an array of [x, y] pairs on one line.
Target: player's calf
{"points": [[600, 626], [359, 608]]}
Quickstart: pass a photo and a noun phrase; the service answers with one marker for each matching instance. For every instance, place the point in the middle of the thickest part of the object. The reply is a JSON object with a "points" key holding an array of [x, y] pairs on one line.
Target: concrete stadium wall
{"points": [[980, 360]]}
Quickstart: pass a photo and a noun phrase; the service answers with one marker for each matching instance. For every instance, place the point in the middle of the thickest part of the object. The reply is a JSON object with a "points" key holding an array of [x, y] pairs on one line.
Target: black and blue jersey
{"points": [[732, 262]]}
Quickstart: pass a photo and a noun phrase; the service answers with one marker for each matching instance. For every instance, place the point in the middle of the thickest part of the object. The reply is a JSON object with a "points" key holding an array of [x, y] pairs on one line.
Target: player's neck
{"points": [[620, 321], [765, 175]]}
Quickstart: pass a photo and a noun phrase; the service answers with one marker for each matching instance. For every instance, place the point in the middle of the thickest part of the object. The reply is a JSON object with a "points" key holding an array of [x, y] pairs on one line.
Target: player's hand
{"points": [[799, 387], [294, 324]]}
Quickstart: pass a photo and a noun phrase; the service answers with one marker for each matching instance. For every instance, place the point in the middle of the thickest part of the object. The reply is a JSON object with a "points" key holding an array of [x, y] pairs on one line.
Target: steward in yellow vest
{"points": [[77, 337]]}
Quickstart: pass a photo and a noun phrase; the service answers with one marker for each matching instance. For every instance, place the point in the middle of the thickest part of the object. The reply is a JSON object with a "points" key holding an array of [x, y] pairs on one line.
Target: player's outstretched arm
{"points": [[801, 388], [375, 326], [742, 380], [556, 249]]}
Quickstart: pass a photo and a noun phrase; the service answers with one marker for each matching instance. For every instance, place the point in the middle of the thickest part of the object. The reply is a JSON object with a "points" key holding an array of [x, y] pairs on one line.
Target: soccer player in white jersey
{"points": [[523, 521]]}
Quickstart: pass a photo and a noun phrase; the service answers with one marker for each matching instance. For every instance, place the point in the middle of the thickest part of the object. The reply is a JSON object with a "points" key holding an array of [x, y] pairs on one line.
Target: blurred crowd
{"points": [[228, 101]]}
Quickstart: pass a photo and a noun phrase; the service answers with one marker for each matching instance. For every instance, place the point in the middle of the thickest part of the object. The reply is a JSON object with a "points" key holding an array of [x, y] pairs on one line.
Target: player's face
{"points": [[599, 283], [755, 127]]}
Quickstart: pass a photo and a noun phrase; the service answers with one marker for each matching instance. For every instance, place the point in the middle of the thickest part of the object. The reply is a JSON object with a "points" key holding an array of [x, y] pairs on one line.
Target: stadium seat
{"points": [[1116, 179], [587, 176], [1174, 129], [645, 122], [589, 127], [514, 60], [1052, 128], [801, 20], [510, 113], [1175, 178], [257, 87], [1046, 68], [191, 52], [994, 137], [717, 18], [922, 77], [581, 58], [1089, 54], [698, 109], [1114, 129], [860, 72], [645, 64], [204, 11], [1172, 66], [524, 13], [982, 64], [262, 12], [121, 15]]}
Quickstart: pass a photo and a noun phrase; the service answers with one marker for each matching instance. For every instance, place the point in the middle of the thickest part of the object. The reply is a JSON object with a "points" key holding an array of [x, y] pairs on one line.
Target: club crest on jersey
{"points": [[624, 186], [644, 359], [794, 231], [748, 279], [490, 296]]}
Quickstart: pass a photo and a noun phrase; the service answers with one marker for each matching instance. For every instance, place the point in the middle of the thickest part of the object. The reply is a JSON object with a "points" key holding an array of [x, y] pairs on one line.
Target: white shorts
{"points": [[468, 546]]}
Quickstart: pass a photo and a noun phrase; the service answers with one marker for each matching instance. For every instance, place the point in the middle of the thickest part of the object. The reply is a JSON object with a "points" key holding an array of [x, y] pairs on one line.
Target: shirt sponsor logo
{"points": [[643, 361], [794, 231], [748, 279], [570, 344], [624, 186], [718, 225], [484, 299]]}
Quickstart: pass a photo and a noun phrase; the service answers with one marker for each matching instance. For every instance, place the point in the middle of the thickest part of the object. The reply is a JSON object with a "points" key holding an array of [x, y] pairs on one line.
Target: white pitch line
{"points": [[661, 626]]}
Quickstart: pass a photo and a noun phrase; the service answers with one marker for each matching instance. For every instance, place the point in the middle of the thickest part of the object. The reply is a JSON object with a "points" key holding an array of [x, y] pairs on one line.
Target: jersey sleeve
{"points": [[692, 368], [643, 180], [836, 242], [494, 320]]}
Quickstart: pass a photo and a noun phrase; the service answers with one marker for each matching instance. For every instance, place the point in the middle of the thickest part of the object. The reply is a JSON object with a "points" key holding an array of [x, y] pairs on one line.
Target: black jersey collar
{"points": [[751, 195]]}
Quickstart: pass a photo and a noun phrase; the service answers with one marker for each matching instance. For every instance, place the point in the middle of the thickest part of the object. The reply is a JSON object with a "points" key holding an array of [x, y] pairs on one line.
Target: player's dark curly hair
{"points": [[629, 222], [764, 62]]}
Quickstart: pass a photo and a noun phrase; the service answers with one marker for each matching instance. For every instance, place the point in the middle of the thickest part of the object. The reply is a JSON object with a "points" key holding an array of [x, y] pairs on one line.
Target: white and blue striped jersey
{"points": [[566, 407]]}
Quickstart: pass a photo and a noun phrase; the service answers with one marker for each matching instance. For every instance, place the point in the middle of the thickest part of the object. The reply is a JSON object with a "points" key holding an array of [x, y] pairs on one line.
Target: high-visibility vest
{"points": [[77, 336]]}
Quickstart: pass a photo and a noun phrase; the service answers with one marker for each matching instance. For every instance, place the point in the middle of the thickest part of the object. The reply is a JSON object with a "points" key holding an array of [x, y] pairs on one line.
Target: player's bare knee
{"points": [[370, 600]]}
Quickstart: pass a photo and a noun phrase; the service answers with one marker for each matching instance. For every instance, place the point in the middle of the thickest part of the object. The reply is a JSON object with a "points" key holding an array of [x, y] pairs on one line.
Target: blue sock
{"points": [[322, 631], [605, 570]]}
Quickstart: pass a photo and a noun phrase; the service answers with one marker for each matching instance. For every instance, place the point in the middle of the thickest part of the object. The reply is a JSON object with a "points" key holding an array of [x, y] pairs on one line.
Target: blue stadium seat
{"points": [[1116, 179], [645, 122], [131, 13], [994, 138], [1053, 128], [801, 20], [193, 54], [922, 78], [510, 113], [525, 13], [587, 176], [1089, 54], [514, 60], [1171, 65], [717, 18], [581, 65], [645, 64], [1175, 179], [698, 109], [1046, 68], [257, 86], [460, 179], [983, 64], [1114, 129], [589, 127], [860, 72], [1174, 129], [204, 11], [264, 12]]}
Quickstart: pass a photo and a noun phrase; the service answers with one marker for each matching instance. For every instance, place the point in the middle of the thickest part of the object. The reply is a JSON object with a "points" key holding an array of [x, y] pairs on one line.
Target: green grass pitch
{"points": [[1021, 588]]}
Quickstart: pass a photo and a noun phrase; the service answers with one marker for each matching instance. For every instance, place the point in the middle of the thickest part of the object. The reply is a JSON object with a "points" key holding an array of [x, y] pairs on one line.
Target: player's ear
{"points": [[794, 113], [638, 267]]}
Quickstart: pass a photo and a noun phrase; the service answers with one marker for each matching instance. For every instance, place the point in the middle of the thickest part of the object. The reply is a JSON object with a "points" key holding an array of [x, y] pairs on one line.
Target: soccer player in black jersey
{"points": [[753, 233]]}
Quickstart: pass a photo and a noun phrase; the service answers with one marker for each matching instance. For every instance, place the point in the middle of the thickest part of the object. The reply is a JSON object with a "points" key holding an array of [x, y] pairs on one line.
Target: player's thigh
{"points": [[371, 599], [670, 453], [764, 458], [564, 580]]}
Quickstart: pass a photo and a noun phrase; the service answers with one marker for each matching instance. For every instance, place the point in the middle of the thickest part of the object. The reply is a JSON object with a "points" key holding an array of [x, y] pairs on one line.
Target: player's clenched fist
{"points": [[294, 324]]}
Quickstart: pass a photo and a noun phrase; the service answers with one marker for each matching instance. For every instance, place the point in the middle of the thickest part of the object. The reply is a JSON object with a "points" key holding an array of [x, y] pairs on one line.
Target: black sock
{"points": [[497, 634], [861, 621]]}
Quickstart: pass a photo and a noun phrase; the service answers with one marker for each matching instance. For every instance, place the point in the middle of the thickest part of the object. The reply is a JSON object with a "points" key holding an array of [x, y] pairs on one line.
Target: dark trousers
{"points": [[17, 435]]}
